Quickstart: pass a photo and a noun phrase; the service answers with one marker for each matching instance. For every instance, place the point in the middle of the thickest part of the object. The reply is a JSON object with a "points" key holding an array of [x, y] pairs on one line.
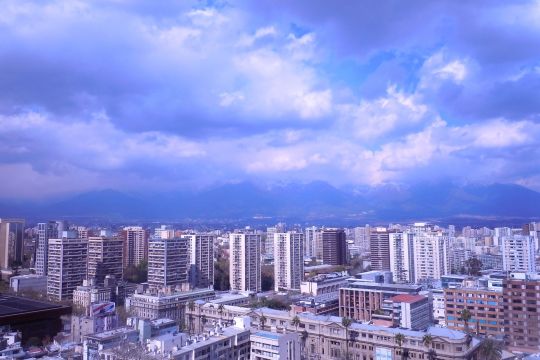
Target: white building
{"points": [[311, 234], [288, 260], [66, 266], [431, 256], [402, 257], [164, 232], [46, 231], [201, 260], [518, 253], [245, 262], [167, 262], [271, 345], [105, 256], [362, 237]]}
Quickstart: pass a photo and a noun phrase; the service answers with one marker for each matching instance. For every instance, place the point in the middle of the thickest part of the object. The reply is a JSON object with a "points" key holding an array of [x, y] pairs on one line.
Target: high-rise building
{"points": [[67, 261], [362, 238], [402, 257], [104, 258], [311, 235], [201, 260], [521, 310], [164, 232], [135, 245], [268, 248], [431, 256], [288, 260], [82, 232], [519, 253], [11, 242], [46, 231], [167, 262], [334, 247], [380, 249], [245, 262]]}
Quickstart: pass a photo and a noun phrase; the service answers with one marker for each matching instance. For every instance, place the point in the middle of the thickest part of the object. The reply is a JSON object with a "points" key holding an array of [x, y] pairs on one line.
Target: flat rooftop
{"points": [[16, 305], [267, 334]]}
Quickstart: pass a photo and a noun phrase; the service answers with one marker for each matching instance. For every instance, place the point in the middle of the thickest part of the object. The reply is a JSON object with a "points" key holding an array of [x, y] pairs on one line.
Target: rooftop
{"points": [[16, 305], [407, 298], [267, 334]]}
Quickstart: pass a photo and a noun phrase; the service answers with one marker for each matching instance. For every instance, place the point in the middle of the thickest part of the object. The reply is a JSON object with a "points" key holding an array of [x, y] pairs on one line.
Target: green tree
{"points": [[262, 321], [465, 316], [472, 266], [490, 349], [221, 274], [295, 322], [220, 310], [267, 277], [399, 339], [346, 323], [427, 340]]}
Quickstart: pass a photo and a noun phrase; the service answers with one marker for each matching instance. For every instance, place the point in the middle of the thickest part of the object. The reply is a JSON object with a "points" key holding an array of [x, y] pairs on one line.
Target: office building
{"points": [[402, 257], [104, 258], [245, 262], [201, 260], [484, 305], [135, 245], [521, 310], [82, 232], [379, 239], [431, 256], [11, 242], [324, 283], [334, 247], [288, 260], [362, 238], [66, 266], [167, 262], [164, 232], [46, 231], [360, 299], [405, 311], [518, 253]]}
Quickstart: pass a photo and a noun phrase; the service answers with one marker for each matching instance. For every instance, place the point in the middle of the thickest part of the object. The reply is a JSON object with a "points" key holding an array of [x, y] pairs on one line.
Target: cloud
{"points": [[134, 95]]}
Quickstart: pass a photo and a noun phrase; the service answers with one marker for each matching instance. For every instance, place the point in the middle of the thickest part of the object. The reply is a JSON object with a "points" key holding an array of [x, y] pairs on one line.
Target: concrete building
{"points": [[268, 247], [201, 260], [288, 260], [334, 247], [359, 300], [11, 242], [95, 344], [521, 310], [100, 317], [245, 262], [519, 253], [25, 283], [311, 240], [405, 311], [484, 305], [135, 245], [326, 337], [167, 304], [362, 236], [402, 257], [431, 256], [66, 266], [46, 231], [104, 258], [167, 262], [379, 240], [324, 283], [267, 345]]}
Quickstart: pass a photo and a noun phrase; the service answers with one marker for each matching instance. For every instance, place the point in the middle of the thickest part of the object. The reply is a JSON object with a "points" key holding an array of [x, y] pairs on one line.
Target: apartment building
{"points": [[201, 260], [135, 245], [167, 262], [288, 260], [245, 262], [105, 257], [67, 262]]}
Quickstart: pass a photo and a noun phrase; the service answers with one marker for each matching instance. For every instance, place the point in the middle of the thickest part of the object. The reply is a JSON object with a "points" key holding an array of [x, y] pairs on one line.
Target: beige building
{"points": [[104, 258], [288, 260], [245, 262], [66, 266]]}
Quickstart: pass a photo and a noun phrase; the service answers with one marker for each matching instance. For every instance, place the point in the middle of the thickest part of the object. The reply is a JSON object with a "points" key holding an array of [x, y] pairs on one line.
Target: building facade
{"points": [[135, 245], [66, 267], [379, 240], [46, 231], [334, 247], [402, 257], [288, 260], [11, 242], [245, 262], [167, 262], [519, 252], [431, 256], [201, 260], [105, 257]]}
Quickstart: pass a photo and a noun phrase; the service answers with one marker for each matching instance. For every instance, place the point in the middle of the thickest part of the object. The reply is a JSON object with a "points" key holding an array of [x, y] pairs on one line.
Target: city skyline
{"points": [[180, 96]]}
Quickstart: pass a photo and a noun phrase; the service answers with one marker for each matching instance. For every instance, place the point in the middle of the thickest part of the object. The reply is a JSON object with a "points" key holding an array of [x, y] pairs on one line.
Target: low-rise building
{"points": [[31, 282], [325, 304], [115, 340], [405, 311], [269, 345], [170, 305], [324, 283]]}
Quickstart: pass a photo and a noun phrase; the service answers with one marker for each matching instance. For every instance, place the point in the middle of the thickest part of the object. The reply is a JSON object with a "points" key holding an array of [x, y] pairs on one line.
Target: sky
{"points": [[168, 95]]}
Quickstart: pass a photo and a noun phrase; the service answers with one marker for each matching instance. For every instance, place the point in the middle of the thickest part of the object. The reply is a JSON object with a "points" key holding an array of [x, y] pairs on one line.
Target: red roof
{"points": [[406, 298]]}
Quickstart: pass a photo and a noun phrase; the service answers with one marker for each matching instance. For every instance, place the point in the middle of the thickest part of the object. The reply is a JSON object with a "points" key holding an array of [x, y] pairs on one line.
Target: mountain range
{"points": [[315, 202]]}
